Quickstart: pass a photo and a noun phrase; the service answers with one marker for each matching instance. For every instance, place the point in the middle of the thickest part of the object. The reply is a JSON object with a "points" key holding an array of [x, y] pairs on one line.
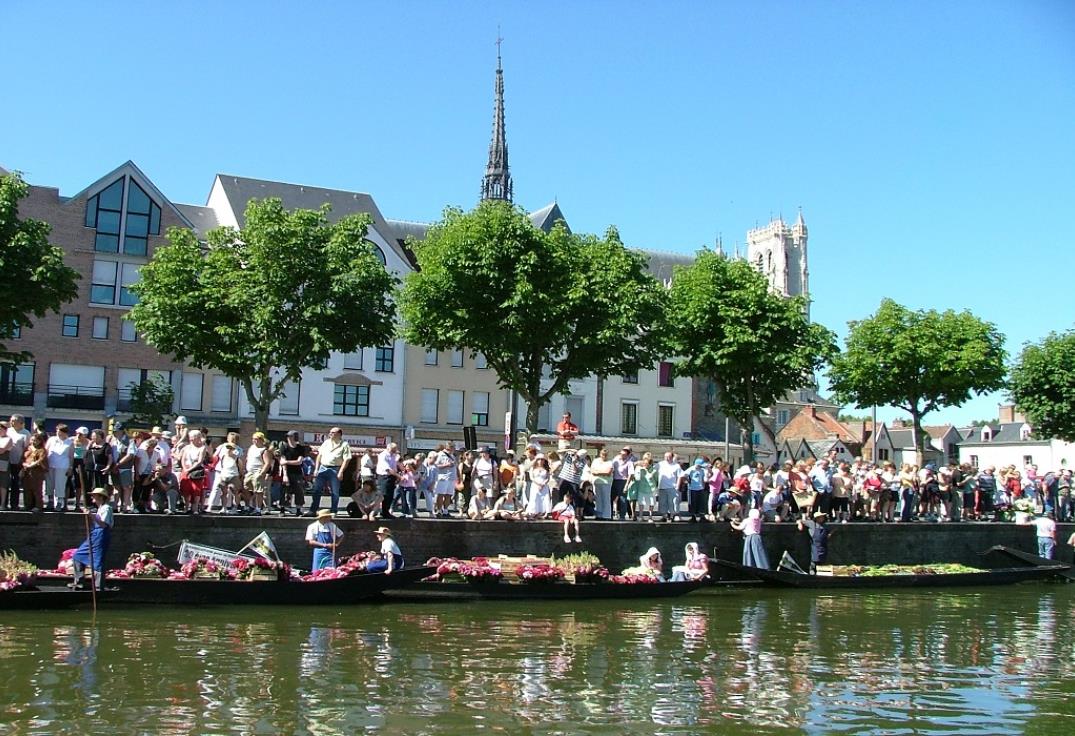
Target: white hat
{"points": [[743, 472], [583, 452], [754, 514], [181, 420], [83, 431]]}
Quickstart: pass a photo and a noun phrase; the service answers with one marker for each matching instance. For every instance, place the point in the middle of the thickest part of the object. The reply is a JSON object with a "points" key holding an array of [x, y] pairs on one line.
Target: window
{"points": [[430, 400], [190, 392], [16, 332], [353, 361], [630, 377], [126, 331], [782, 417], [130, 378], [987, 434], [70, 325], [76, 386], [882, 453], [351, 401], [974, 461], [100, 328], [664, 420], [629, 418], [17, 384], [664, 374], [103, 287], [431, 357], [221, 397], [1028, 459], [457, 359], [455, 407], [105, 212], [480, 416], [377, 252], [480, 362], [289, 399], [386, 359], [544, 417]]}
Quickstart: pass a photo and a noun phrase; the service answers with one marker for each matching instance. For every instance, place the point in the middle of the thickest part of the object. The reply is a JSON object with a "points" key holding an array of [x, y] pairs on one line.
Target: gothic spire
{"points": [[497, 181]]}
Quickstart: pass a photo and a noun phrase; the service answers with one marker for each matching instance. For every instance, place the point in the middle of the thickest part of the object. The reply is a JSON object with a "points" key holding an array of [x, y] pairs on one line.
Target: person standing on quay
{"points": [[387, 470], [668, 474], [566, 431], [20, 440], [623, 468], [1045, 526], [332, 458], [324, 536]]}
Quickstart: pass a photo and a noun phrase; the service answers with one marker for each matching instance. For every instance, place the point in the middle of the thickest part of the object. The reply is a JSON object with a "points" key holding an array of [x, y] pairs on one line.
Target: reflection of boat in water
{"points": [[543, 591], [1001, 569], [332, 591]]}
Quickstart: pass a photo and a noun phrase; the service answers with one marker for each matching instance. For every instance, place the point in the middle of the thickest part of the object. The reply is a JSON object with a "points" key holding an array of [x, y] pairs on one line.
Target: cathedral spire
{"points": [[497, 181]]}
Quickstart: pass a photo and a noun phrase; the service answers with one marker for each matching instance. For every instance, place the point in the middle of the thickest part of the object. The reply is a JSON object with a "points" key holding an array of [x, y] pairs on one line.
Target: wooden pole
{"points": [[89, 545]]}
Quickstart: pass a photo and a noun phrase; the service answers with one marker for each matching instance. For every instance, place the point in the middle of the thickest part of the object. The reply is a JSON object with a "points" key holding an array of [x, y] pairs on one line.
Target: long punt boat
{"points": [[543, 591]]}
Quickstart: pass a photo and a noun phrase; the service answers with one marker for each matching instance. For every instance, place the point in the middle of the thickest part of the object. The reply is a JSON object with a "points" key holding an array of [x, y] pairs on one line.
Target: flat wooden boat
{"points": [[996, 576], [48, 598], [207, 592], [1000, 555], [543, 591]]}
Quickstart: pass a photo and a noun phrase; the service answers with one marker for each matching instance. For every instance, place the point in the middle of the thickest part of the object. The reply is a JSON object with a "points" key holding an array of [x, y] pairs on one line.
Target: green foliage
{"points": [[30, 265], [263, 302], [727, 325], [918, 361], [491, 282], [1042, 385], [151, 402]]}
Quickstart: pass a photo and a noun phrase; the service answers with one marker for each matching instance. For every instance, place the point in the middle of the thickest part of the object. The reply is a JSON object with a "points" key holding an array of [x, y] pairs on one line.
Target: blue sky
{"points": [[930, 144]]}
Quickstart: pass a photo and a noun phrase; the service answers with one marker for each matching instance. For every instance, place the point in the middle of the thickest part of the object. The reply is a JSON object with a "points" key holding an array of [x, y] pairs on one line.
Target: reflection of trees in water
{"points": [[762, 658]]}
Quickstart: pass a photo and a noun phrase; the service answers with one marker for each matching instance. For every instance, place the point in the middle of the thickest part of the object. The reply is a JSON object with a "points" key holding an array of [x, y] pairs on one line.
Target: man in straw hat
{"points": [[324, 536], [819, 539], [91, 553], [391, 558]]}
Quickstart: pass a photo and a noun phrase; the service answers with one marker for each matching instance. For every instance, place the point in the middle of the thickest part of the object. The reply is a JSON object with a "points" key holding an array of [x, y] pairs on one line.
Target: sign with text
{"points": [[354, 440]]}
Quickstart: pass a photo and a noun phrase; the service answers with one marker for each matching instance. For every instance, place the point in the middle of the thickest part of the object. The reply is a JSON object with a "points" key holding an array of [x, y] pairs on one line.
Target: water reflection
{"points": [[744, 661]]}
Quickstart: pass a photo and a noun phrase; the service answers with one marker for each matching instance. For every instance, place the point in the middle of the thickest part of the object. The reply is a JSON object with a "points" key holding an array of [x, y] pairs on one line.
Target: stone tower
{"points": [[497, 181], [778, 251]]}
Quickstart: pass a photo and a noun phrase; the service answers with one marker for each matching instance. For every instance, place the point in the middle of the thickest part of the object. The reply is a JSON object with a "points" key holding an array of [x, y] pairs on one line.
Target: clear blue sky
{"points": [[931, 145]]}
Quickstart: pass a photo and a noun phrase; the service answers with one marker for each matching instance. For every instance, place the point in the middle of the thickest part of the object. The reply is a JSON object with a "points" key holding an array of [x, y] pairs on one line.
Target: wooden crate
{"points": [[508, 565]]}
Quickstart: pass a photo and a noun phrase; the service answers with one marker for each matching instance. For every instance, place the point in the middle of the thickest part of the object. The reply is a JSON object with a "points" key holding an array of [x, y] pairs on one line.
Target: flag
{"points": [[262, 546], [788, 564]]}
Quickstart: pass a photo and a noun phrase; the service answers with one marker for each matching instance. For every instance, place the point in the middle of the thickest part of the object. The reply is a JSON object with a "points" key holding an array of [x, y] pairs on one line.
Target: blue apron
{"points": [[99, 539], [323, 556]]}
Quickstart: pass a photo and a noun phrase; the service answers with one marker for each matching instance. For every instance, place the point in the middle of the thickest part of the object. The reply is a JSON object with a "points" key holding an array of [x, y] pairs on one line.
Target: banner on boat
{"points": [[188, 551], [262, 545]]}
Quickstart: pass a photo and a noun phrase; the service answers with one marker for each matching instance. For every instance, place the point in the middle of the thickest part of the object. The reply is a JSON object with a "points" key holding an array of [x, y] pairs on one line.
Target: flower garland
{"points": [[141, 565], [539, 574], [632, 579], [353, 565], [244, 569]]}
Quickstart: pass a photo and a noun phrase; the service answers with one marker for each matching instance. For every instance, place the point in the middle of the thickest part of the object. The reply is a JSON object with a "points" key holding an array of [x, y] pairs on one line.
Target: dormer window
{"points": [[1024, 433], [124, 217], [987, 434]]}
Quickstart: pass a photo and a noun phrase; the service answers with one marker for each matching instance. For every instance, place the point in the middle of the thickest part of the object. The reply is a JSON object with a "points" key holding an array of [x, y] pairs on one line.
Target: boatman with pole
{"points": [[323, 535], [91, 553]]}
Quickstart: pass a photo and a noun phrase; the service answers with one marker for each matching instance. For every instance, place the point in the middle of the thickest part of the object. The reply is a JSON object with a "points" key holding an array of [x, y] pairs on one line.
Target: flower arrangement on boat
{"points": [[141, 565], [583, 567], [201, 569], [16, 574], [479, 570], [539, 574], [258, 569], [632, 579], [353, 565]]}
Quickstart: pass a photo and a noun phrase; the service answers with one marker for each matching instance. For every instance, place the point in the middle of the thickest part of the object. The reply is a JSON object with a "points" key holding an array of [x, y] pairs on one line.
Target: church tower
{"points": [[497, 181], [778, 251]]}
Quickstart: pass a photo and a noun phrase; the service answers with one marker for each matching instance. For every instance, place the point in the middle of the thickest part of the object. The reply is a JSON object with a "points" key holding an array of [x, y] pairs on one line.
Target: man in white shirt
{"points": [[60, 452], [387, 470], [668, 475], [623, 468], [20, 438]]}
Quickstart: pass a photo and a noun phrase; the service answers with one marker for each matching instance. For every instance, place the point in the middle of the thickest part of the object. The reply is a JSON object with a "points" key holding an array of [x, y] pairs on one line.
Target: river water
{"points": [[990, 661]]}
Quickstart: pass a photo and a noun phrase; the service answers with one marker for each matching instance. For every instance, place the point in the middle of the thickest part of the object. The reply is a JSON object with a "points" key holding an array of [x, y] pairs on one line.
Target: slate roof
{"points": [[1007, 432], [202, 218], [662, 263], [901, 438], [547, 216], [937, 431]]}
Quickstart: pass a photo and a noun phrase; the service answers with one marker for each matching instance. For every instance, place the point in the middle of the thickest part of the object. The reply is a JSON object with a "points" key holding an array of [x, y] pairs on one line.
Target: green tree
{"points": [[1042, 385], [918, 361], [29, 264], [726, 324], [261, 303], [151, 401], [491, 282]]}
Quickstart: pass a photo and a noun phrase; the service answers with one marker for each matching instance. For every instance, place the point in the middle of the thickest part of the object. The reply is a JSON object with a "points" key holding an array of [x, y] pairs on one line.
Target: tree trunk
{"points": [[257, 401], [916, 430], [747, 426], [533, 408]]}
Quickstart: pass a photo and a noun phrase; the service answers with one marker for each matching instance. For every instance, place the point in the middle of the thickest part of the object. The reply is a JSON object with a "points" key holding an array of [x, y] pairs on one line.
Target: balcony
{"points": [[17, 394], [76, 397], [123, 400]]}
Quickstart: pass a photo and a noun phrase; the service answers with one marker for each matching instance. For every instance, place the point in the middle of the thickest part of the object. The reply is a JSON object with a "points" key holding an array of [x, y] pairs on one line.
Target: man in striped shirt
{"points": [[574, 462]]}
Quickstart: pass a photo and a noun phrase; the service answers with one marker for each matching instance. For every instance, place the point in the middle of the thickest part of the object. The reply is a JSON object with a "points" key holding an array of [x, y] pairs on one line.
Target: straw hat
{"points": [[324, 514], [819, 515], [383, 530], [99, 492]]}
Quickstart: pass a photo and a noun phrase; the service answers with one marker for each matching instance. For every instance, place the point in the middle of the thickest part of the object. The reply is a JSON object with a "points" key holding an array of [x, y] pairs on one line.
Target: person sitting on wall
{"points": [[506, 507], [566, 512], [365, 502]]}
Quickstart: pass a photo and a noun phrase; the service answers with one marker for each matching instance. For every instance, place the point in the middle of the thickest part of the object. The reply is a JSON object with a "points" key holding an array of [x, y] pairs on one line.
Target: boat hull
{"points": [[546, 591], [1000, 576], [45, 599]]}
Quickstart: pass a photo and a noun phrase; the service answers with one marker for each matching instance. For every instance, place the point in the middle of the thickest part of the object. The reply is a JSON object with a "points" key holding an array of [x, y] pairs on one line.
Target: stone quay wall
{"points": [[41, 538]]}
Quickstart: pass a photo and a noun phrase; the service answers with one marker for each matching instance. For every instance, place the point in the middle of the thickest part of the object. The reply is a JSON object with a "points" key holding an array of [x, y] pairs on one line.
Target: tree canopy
{"points": [[31, 265], [151, 402], [1042, 385], [491, 282], [918, 361], [261, 303], [726, 324]]}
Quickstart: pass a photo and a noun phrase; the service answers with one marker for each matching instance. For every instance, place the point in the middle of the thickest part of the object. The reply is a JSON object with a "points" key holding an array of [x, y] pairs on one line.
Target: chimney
{"points": [[812, 409], [1006, 413]]}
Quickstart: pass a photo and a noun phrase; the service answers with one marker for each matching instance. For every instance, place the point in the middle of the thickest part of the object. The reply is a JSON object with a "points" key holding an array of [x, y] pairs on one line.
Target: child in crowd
{"points": [[565, 512], [407, 487]]}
